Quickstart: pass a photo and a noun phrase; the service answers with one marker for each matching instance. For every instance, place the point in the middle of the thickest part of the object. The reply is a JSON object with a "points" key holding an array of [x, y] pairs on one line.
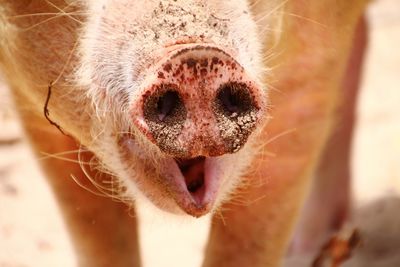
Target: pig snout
{"points": [[198, 102]]}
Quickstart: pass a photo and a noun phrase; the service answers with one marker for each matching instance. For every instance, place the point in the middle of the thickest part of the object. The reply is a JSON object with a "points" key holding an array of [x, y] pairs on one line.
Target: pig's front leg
{"points": [[103, 231], [255, 227], [329, 204]]}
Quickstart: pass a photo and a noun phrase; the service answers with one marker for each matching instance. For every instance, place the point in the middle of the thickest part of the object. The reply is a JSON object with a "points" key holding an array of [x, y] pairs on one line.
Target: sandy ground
{"points": [[32, 232]]}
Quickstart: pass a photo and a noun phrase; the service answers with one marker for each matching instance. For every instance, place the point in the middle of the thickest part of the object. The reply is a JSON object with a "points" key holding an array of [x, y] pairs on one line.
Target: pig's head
{"points": [[177, 93]]}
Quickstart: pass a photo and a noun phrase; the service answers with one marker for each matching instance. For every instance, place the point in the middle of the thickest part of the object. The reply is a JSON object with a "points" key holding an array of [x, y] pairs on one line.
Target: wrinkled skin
{"points": [[105, 60]]}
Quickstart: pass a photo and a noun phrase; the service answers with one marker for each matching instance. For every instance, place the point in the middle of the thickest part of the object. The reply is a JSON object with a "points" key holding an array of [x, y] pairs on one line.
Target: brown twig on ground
{"points": [[337, 250]]}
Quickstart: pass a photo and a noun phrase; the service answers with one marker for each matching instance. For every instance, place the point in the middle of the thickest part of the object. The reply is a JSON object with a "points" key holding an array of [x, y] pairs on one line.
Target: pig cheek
{"points": [[154, 191], [144, 177], [235, 167]]}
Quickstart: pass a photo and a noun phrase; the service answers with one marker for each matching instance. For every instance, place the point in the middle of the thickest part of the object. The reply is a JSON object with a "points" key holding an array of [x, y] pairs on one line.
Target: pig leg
{"points": [[254, 228], [328, 204], [103, 231]]}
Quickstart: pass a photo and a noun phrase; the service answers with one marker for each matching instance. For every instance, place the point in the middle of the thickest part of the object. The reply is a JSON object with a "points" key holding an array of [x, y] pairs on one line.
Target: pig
{"points": [[196, 106]]}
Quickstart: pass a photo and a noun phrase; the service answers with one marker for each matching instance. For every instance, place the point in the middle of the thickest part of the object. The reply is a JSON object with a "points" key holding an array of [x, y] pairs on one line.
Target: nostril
{"points": [[236, 113], [234, 97], [167, 103], [229, 99], [164, 106], [165, 114]]}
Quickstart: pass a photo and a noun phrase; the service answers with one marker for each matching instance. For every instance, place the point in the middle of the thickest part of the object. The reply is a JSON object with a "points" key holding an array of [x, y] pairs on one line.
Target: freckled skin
{"points": [[97, 106]]}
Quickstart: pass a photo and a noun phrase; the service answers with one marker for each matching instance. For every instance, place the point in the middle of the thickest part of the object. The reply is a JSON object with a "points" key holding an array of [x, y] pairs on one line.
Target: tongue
{"points": [[193, 172]]}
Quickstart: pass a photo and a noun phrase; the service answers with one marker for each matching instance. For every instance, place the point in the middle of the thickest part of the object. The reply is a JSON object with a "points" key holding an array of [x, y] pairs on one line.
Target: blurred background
{"points": [[32, 232]]}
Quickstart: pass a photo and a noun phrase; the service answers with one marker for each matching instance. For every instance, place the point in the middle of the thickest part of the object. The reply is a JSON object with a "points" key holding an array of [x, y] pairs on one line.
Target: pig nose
{"points": [[199, 102]]}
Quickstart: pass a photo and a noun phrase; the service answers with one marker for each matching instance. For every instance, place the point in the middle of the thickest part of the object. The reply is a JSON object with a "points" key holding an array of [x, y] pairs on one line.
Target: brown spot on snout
{"points": [[191, 63], [204, 62], [165, 114], [161, 75], [236, 114], [168, 67]]}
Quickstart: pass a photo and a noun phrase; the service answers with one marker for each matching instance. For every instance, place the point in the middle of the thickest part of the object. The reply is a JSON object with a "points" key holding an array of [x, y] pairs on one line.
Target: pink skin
{"points": [[196, 72]]}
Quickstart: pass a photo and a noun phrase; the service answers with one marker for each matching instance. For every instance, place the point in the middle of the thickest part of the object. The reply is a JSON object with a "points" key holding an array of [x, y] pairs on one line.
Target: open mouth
{"points": [[193, 171], [199, 180], [192, 183]]}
